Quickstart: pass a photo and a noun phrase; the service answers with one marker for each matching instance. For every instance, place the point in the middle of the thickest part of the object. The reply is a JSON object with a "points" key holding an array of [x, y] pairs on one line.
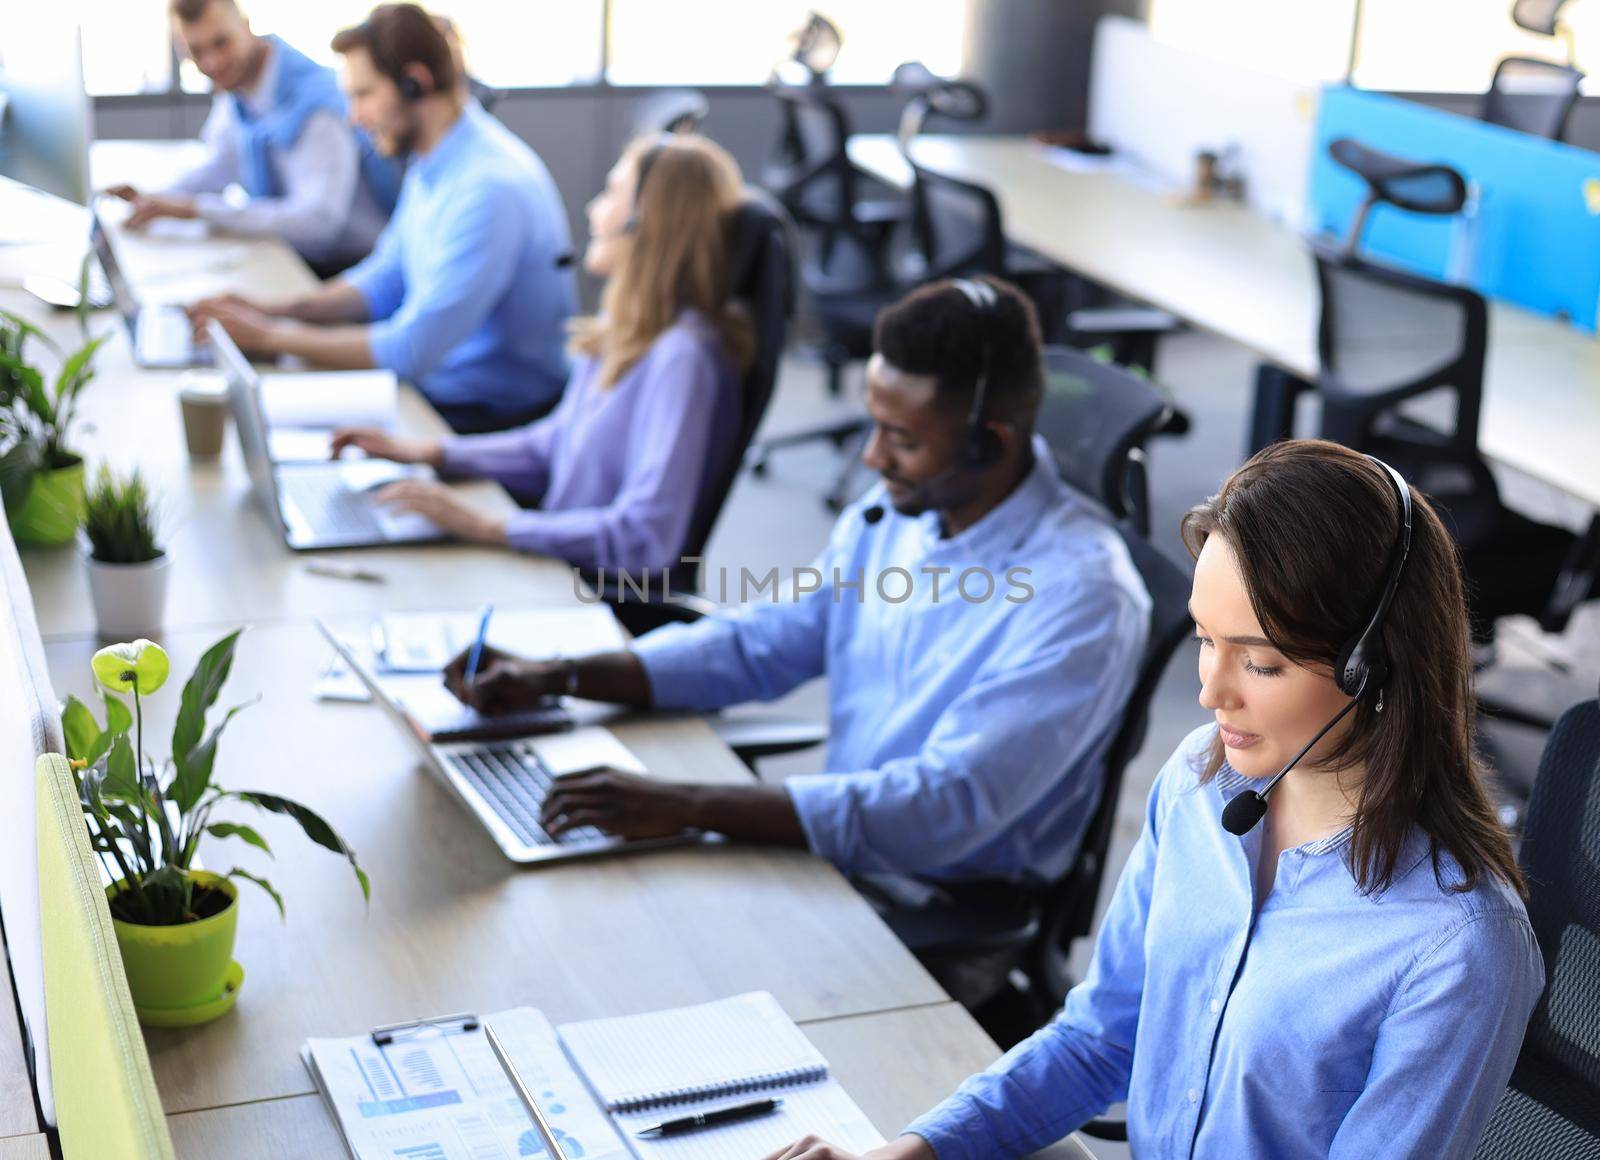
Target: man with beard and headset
{"points": [[467, 292], [979, 622]]}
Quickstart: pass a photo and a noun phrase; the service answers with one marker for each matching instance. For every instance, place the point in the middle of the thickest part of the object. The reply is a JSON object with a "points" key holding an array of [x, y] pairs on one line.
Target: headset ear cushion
{"points": [[410, 88], [983, 448]]}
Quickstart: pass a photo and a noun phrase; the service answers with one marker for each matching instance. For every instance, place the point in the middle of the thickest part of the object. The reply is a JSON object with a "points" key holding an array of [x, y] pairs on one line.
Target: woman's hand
{"points": [[438, 503], [815, 1148], [380, 444]]}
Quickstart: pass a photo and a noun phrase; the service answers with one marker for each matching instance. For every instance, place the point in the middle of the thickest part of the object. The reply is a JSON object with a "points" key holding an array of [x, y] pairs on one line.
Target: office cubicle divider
{"points": [[107, 1107], [29, 727], [1531, 227]]}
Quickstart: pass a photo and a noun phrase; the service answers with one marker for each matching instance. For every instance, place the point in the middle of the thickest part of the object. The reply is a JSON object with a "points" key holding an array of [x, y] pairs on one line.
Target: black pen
{"points": [[712, 1119]]}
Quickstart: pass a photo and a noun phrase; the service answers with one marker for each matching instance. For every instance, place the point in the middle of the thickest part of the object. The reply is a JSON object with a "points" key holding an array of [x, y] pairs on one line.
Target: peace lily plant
{"points": [[174, 923]]}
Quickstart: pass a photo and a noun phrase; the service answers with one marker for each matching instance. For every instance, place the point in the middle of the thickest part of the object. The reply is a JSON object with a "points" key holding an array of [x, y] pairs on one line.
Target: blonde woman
{"points": [[652, 407]]}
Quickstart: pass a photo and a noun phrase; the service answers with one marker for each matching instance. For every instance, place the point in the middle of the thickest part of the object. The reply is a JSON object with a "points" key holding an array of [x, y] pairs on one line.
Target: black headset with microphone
{"points": [[980, 446], [1359, 670], [647, 160]]}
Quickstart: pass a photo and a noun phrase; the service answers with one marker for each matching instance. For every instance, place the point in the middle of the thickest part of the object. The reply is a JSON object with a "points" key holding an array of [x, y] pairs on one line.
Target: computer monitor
{"points": [[44, 136]]}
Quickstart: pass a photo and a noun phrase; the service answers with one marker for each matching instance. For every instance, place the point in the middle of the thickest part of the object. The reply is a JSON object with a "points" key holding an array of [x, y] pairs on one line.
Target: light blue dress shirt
{"points": [[618, 471], [968, 737], [463, 288], [1328, 1023]]}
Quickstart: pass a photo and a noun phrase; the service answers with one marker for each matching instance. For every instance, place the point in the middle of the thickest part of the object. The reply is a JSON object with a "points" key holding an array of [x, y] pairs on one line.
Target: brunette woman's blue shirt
{"points": [[1326, 1022]]}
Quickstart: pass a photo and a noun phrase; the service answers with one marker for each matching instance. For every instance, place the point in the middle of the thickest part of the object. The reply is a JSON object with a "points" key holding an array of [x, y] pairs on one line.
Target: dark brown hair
{"points": [[395, 35], [188, 11], [1311, 525]]}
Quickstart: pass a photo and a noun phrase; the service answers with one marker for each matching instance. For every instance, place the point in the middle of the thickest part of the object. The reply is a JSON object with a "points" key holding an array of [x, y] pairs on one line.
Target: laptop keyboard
{"points": [[330, 506], [165, 336], [513, 780]]}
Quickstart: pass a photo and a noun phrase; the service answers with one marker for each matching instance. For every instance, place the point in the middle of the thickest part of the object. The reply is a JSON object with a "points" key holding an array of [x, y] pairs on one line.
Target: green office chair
{"points": [[107, 1107]]}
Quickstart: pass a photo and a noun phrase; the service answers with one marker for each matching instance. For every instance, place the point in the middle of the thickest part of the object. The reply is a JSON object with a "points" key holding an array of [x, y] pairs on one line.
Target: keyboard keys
{"points": [[513, 781], [329, 505]]}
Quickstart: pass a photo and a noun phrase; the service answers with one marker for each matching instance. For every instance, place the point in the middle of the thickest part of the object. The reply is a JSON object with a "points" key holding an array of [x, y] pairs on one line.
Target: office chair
{"points": [[1097, 418], [955, 231], [1532, 96], [761, 278], [668, 111], [1551, 1108], [1389, 343], [847, 234]]}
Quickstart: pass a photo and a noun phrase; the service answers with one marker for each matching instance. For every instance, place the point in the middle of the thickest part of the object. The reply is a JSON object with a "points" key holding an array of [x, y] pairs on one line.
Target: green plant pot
{"points": [[53, 510], [170, 968]]}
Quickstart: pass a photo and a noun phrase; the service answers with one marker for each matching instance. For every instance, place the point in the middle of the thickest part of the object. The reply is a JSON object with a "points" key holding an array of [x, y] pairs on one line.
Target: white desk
{"points": [[1228, 270]]}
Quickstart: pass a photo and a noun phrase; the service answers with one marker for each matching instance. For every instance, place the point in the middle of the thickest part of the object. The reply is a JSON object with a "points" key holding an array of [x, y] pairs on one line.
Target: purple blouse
{"points": [[617, 473]]}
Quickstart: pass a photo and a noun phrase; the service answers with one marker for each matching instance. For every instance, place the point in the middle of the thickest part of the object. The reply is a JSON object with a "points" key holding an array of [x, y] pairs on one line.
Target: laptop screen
{"points": [[244, 397], [125, 302]]}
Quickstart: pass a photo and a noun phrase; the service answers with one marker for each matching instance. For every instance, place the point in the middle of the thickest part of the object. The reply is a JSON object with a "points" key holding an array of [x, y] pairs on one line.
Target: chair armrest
{"points": [[1121, 320], [1106, 1129], [881, 213], [753, 737]]}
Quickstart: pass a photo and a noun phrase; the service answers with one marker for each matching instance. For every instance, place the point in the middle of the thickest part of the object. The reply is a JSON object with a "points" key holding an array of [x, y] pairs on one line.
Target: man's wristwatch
{"points": [[569, 666]]}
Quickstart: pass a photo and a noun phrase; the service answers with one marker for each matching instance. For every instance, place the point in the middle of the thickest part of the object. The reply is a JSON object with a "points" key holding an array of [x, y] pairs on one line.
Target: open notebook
{"points": [[441, 1095]]}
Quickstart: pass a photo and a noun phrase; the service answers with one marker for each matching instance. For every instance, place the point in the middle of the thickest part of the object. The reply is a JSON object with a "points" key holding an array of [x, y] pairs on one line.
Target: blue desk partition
{"points": [[1531, 233]]}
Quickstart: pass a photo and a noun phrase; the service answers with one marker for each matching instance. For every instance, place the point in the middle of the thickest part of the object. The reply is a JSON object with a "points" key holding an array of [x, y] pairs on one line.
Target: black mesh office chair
{"points": [[1551, 1108], [847, 234], [668, 111], [761, 277], [1097, 418], [1393, 347], [846, 297], [1532, 96]]}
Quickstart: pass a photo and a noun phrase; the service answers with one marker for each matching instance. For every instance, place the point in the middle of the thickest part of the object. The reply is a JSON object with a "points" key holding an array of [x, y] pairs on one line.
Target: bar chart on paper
{"points": [[441, 1095]]}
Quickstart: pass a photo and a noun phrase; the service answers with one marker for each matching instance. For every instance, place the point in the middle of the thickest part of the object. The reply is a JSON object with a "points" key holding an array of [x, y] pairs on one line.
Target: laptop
{"points": [[503, 781], [315, 505], [162, 335]]}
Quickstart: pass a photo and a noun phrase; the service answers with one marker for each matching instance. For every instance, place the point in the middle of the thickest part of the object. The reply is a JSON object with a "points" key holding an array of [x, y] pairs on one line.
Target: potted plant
{"points": [[174, 923], [127, 567], [41, 478]]}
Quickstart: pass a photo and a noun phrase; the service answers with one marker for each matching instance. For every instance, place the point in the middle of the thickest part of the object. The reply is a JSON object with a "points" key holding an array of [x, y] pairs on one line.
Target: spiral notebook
{"points": [[666, 1064]]}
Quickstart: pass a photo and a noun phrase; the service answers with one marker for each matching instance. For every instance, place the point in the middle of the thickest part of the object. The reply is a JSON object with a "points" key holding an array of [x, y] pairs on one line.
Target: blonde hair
{"points": [[676, 258]]}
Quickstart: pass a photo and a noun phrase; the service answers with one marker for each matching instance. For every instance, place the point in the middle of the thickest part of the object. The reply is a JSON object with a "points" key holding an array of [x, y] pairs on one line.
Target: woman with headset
{"points": [[1337, 964], [652, 408]]}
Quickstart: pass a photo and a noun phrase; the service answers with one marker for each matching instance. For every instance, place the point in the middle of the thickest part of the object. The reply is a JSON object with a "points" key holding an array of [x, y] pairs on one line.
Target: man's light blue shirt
{"points": [[1327, 1023], [968, 736], [463, 288]]}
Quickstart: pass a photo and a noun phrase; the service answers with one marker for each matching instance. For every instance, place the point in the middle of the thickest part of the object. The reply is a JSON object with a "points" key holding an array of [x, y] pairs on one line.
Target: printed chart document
{"points": [[424, 642], [442, 1096]]}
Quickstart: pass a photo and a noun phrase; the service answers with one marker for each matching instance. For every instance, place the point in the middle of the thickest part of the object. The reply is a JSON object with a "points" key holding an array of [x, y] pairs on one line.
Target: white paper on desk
{"points": [[824, 1108], [330, 398], [444, 1096], [418, 642], [299, 444]]}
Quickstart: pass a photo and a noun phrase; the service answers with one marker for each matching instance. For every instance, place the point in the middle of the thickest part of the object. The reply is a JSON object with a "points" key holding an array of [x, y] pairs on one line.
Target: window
{"points": [[506, 45], [126, 46], [737, 42], [1306, 40], [535, 43], [1445, 46]]}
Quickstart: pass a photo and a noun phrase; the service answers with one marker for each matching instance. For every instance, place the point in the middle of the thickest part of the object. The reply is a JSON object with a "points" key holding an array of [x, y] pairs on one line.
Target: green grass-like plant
{"points": [[120, 519]]}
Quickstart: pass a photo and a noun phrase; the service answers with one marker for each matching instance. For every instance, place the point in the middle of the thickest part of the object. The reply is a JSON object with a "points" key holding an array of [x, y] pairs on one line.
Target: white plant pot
{"points": [[129, 599]]}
